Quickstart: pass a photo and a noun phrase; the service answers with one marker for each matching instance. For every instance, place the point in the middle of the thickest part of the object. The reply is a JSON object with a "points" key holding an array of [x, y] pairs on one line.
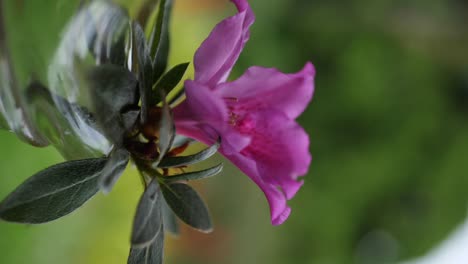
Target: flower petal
{"points": [[280, 148], [217, 54], [233, 142], [267, 88], [279, 210], [277, 155], [202, 114], [243, 5]]}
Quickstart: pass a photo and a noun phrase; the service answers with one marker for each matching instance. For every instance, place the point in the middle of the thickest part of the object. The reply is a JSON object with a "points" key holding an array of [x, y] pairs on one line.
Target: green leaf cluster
{"points": [[130, 107]]}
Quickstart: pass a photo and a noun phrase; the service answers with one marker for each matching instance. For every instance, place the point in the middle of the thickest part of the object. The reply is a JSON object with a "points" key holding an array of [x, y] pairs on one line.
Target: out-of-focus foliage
{"points": [[388, 124], [389, 131]]}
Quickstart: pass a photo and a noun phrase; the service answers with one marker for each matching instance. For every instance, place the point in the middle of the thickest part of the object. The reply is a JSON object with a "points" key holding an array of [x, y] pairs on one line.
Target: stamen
{"points": [[233, 118]]}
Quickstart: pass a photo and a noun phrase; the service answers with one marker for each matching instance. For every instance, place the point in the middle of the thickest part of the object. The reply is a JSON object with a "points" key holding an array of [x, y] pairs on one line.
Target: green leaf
{"points": [[150, 254], [188, 206], [148, 219], [53, 192], [196, 175], [145, 12], [166, 131], [170, 220], [168, 82], [159, 41], [115, 166], [177, 97], [113, 89], [145, 69], [170, 162]]}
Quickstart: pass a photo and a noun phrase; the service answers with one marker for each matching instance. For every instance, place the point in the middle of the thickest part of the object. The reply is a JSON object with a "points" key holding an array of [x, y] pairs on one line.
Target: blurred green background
{"points": [[389, 137]]}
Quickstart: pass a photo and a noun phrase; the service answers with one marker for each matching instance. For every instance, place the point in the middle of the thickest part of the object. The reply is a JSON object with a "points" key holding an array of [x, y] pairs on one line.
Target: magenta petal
{"points": [[233, 142], [202, 115], [243, 5], [280, 148], [267, 88], [254, 115], [201, 104], [217, 54], [279, 210], [277, 155]]}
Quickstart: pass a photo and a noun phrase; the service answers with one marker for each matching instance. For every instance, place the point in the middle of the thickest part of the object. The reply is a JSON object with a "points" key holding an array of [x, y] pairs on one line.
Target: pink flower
{"points": [[254, 115]]}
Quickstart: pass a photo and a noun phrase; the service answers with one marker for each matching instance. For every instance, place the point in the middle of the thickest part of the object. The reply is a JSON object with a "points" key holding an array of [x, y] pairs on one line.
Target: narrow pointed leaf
{"points": [[150, 254], [177, 98], [160, 38], [170, 220], [196, 175], [53, 192], [169, 162], [166, 131], [145, 69], [168, 82], [115, 166], [148, 219], [188, 206], [145, 11]]}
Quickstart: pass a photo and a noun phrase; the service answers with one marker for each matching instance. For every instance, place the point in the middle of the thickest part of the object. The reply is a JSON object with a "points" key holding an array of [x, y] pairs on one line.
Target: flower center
{"points": [[242, 123], [238, 117], [233, 118]]}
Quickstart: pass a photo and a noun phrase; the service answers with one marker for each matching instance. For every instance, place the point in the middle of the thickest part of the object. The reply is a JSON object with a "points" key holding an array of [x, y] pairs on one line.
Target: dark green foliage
{"points": [[148, 221], [166, 131], [118, 160], [145, 69], [129, 106], [159, 41], [178, 97], [178, 161], [168, 82], [53, 192], [188, 206], [149, 254], [170, 219], [195, 175]]}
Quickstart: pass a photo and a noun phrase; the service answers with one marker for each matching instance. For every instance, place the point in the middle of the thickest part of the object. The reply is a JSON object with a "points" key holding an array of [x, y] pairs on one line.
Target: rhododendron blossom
{"points": [[254, 115]]}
